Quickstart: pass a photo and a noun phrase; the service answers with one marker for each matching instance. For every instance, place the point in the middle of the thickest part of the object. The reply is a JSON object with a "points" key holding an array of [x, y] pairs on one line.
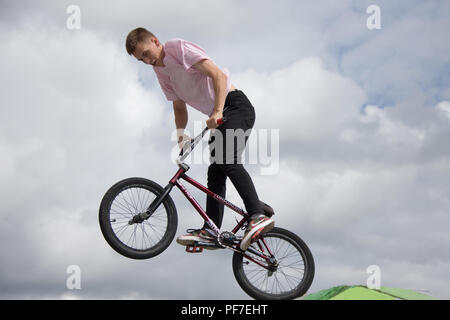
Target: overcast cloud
{"points": [[363, 119]]}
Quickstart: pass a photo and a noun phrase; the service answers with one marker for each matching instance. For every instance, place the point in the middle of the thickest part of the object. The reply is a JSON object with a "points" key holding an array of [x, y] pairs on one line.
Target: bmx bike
{"points": [[138, 219]]}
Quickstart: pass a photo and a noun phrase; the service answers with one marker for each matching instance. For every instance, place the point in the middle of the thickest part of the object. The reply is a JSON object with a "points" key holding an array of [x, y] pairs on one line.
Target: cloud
{"points": [[444, 108], [307, 94], [363, 121]]}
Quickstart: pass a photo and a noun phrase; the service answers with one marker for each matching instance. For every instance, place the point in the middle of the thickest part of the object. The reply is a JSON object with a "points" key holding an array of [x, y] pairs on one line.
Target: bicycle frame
{"points": [[175, 181], [182, 175]]}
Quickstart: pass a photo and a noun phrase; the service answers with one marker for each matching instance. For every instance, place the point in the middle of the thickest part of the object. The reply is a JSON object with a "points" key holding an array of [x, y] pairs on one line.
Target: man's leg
{"points": [[240, 116], [226, 151], [244, 186], [242, 121], [217, 184], [235, 136]]}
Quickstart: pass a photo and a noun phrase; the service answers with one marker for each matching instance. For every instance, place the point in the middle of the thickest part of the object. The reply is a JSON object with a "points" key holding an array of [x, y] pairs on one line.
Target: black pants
{"points": [[226, 158]]}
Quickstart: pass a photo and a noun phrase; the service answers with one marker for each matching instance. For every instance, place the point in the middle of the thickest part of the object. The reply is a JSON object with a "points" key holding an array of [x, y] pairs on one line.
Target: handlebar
{"points": [[189, 145]]}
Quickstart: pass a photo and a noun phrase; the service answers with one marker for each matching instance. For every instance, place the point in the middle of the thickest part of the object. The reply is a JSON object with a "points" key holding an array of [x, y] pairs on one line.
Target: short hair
{"points": [[136, 36]]}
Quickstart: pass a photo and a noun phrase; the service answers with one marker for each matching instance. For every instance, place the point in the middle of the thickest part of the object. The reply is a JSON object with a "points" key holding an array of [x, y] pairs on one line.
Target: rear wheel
{"points": [[287, 275], [127, 199]]}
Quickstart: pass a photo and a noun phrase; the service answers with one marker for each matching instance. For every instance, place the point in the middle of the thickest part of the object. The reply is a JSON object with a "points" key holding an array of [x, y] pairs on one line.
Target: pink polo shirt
{"points": [[181, 82]]}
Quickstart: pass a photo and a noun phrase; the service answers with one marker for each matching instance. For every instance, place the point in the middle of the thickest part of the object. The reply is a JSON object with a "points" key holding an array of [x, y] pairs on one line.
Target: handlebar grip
{"points": [[193, 140]]}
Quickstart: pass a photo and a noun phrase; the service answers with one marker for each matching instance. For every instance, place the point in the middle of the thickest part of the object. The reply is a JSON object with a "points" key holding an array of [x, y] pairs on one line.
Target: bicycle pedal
{"points": [[194, 249]]}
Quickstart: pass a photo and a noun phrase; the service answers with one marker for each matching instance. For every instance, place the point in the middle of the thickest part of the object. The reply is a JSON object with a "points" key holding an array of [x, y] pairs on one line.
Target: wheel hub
{"points": [[273, 266], [136, 219]]}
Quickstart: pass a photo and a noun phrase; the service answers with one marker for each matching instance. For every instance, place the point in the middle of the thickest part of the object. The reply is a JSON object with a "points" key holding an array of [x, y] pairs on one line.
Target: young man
{"points": [[187, 75]]}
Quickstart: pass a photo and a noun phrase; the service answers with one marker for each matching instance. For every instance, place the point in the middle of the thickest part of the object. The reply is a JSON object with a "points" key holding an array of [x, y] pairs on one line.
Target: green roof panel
{"points": [[405, 294], [361, 293]]}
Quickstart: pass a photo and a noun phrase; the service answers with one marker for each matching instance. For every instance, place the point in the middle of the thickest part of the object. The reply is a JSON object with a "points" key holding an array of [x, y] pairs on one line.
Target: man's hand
{"points": [[182, 138], [181, 118], [212, 121]]}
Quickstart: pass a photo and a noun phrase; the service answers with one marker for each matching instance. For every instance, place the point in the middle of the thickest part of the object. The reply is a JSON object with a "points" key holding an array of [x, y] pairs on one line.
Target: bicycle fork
{"points": [[139, 218]]}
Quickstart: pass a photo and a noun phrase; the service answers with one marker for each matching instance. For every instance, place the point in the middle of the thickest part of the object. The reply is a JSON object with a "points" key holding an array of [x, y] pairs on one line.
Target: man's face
{"points": [[149, 51]]}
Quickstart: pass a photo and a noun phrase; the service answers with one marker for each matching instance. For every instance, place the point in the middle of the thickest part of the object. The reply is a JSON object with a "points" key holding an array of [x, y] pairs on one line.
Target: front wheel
{"points": [[288, 273], [141, 240]]}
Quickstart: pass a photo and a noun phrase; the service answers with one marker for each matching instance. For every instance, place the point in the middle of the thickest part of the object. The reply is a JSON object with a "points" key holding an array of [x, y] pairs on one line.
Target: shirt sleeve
{"points": [[166, 87], [191, 54]]}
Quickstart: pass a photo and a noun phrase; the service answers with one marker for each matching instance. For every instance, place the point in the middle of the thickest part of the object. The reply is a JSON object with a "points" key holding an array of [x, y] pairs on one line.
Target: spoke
{"points": [[122, 206], [124, 195], [273, 285], [132, 200], [123, 216], [288, 254], [155, 231], [121, 230]]}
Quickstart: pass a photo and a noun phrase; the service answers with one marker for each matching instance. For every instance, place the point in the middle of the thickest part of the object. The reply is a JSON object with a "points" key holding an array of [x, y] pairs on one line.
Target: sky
{"points": [[361, 119]]}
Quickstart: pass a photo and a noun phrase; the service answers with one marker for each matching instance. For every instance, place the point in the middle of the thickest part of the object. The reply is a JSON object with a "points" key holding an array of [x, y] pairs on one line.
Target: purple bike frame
{"points": [[182, 175]]}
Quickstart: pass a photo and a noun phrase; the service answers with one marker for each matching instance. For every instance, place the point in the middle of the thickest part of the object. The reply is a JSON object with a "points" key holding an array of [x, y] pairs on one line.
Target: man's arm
{"points": [[181, 118], [219, 78]]}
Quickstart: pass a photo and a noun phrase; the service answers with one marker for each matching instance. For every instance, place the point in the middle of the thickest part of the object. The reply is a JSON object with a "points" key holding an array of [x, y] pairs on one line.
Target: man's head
{"points": [[144, 46]]}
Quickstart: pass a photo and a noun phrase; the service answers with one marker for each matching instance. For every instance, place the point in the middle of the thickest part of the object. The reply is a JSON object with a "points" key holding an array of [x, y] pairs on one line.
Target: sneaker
{"points": [[194, 235], [255, 229]]}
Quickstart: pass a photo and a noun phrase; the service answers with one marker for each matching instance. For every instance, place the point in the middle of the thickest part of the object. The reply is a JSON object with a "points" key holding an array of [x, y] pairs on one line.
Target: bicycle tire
{"points": [[167, 208], [258, 293]]}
